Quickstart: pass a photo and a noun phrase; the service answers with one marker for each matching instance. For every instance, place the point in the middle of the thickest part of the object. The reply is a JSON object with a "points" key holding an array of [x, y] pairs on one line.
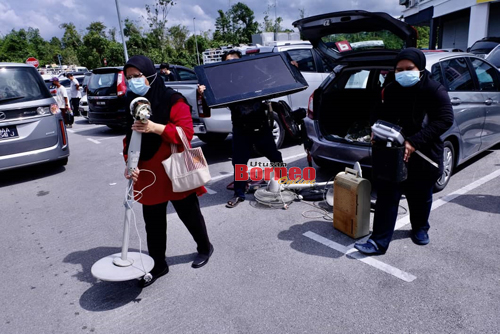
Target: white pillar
{"points": [[478, 25]]}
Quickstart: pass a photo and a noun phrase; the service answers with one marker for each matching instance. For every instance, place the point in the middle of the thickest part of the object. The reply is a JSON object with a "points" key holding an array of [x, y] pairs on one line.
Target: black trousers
{"points": [[243, 141], [155, 217], [75, 104], [418, 193]]}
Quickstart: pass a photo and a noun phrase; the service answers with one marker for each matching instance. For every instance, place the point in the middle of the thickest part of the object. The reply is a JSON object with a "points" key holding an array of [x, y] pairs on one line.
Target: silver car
{"points": [[340, 110], [32, 129]]}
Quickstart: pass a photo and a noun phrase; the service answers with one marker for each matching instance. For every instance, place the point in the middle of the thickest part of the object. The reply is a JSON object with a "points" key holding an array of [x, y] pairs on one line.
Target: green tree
{"points": [[157, 20], [243, 22], [95, 45], [223, 31], [423, 36], [177, 36], [137, 43], [15, 46], [71, 37]]}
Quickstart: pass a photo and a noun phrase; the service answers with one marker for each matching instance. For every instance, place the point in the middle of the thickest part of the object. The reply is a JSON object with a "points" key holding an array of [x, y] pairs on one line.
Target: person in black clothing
{"points": [[421, 106], [251, 126], [165, 72]]}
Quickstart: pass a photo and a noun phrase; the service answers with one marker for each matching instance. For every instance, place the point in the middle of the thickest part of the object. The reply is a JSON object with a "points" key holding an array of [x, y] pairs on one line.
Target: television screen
{"points": [[258, 77]]}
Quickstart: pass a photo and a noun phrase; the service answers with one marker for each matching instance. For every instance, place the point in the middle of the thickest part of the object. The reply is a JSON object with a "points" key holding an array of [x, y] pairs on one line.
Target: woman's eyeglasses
{"points": [[134, 76]]}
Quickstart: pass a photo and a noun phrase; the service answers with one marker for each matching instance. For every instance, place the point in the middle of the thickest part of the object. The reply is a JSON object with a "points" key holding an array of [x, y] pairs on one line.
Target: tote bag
{"points": [[188, 169]]}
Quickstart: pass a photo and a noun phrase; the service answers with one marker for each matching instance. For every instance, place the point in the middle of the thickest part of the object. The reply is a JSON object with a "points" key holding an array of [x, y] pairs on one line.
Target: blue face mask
{"points": [[408, 78], [138, 86]]}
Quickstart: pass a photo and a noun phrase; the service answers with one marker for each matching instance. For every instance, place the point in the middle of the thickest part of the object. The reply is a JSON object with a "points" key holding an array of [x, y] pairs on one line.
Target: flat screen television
{"points": [[262, 77]]}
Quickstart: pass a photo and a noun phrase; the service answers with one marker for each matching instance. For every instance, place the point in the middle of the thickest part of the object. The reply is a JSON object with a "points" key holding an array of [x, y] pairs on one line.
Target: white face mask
{"points": [[408, 78]]}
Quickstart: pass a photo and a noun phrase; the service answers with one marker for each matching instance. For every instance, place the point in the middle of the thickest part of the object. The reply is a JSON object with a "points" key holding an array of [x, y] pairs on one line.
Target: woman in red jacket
{"points": [[169, 110]]}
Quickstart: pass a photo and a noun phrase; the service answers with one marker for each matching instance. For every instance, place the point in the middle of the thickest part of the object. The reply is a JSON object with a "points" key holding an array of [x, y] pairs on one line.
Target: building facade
{"points": [[454, 24]]}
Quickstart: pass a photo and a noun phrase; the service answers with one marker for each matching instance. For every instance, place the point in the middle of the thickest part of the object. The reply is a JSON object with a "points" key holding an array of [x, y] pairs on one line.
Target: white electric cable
{"points": [[133, 213]]}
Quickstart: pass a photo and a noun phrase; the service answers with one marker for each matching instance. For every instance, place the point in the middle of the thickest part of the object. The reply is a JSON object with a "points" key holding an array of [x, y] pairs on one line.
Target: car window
{"points": [[357, 80], [487, 75], [86, 80], [346, 42], [101, 80], [483, 47], [436, 74], [19, 84], [494, 57], [304, 58], [186, 75], [457, 75]]}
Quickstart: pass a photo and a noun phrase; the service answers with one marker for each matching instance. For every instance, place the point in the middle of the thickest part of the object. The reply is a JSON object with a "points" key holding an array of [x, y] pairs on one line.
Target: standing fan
{"points": [[280, 195], [127, 265]]}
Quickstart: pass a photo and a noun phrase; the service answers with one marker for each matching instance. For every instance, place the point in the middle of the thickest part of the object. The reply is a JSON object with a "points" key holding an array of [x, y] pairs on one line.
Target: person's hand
{"points": [[134, 175], [408, 150], [201, 89], [294, 63], [148, 127]]}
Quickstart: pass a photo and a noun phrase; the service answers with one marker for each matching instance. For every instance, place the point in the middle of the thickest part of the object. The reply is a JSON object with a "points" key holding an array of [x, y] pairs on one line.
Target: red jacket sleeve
{"points": [[180, 115]]}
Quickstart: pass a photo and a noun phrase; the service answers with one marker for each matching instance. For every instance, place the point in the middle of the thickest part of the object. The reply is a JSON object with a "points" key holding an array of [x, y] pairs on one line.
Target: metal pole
{"points": [[121, 31], [275, 21], [196, 42]]}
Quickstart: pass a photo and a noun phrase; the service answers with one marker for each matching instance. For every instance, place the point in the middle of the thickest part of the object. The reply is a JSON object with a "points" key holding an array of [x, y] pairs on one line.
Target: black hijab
{"points": [[161, 99], [413, 54]]}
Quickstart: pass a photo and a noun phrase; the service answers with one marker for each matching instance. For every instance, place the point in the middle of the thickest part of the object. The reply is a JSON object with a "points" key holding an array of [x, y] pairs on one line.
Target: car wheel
{"points": [[278, 134], [448, 166], [278, 131], [212, 138]]}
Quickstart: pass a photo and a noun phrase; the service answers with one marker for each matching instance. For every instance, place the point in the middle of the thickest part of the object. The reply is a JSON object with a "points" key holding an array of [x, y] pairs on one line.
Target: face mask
{"points": [[138, 85], [408, 78]]}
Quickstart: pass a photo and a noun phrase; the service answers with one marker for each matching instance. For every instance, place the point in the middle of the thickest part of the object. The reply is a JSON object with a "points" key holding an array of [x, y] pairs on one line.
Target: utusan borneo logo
{"points": [[263, 171]]}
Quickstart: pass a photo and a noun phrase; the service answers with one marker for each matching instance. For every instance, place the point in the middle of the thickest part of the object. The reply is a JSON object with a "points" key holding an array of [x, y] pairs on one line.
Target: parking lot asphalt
{"points": [[272, 271]]}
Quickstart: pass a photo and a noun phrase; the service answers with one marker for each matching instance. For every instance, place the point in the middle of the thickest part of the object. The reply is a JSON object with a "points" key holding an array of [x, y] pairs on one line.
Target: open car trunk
{"points": [[349, 102]]}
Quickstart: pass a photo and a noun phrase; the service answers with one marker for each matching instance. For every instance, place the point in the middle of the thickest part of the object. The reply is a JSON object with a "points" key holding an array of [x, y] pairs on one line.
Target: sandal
{"points": [[233, 202]]}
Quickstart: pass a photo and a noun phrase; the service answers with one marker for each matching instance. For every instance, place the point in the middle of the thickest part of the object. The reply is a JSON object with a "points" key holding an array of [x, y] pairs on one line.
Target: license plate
{"points": [[101, 103], [7, 132]]}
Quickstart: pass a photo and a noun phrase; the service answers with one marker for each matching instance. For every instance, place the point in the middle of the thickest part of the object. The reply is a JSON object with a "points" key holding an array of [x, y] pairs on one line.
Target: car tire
{"points": [[278, 131], [212, 138], [278, 134], [448, 166]]}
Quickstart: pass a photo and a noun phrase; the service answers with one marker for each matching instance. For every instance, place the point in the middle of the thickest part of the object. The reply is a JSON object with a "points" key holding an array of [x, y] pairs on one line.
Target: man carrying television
{"points": [[251, 127]]}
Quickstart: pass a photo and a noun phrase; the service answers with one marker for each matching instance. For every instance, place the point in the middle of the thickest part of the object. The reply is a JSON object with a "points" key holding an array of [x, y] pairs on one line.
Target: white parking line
{"points": [[94, 141], [295, 156], [407, 277], [400, 223], [352, 252], [107, 138]]}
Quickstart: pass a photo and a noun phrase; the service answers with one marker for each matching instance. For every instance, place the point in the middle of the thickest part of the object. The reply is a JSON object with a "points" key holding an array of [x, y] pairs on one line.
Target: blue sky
{"points": [[47, 15]]}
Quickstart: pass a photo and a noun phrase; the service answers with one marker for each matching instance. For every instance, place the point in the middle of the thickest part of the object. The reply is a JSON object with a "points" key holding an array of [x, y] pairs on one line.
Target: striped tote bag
{"points": [[187, 169]]}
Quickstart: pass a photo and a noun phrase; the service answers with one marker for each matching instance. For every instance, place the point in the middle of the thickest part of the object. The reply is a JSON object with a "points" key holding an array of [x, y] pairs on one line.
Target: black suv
{"points": [[106, 92]]}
